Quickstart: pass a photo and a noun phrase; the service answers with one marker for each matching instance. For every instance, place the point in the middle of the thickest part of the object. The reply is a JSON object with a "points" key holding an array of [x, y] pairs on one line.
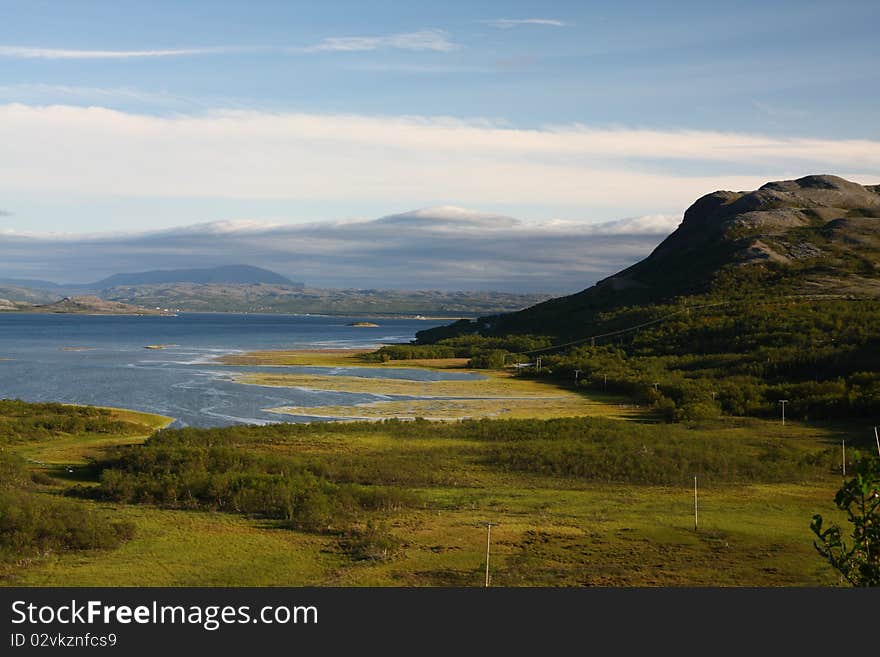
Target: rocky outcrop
{"points": [[823, 230], [755, 227]]}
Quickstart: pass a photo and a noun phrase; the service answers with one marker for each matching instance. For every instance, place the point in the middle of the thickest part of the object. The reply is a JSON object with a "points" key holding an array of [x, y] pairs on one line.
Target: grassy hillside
{"points": [[756, 298], [704, 357], [265, 297]]}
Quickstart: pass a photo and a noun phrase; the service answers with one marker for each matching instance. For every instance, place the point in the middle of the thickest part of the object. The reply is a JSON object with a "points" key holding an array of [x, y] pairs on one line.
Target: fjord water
{"points": [[102, 360]]}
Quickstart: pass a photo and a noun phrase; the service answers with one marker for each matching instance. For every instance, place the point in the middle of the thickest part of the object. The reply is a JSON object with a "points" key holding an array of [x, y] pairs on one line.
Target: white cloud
{"points": [[652, 224], [443, 247], [430, 69], [430, 40], [507, 23], [436, 40], [24, 52], [39, 93], [66, 150]]}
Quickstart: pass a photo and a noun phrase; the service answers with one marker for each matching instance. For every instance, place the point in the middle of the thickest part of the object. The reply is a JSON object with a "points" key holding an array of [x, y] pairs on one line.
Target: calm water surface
{"points": [[102, 360]]}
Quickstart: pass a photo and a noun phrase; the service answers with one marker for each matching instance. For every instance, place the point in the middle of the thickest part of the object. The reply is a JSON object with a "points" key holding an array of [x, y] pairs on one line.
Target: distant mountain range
{"points": [[814, 236], [244, 288], [227, 274], [286, 299]]}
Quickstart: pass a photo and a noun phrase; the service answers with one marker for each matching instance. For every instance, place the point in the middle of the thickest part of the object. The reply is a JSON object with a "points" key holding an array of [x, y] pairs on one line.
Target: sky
{"points": [[140, 122]]}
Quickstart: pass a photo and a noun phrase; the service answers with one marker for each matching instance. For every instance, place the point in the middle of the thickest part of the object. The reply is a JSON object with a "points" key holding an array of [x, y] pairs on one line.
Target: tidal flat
{"points": [[483, 394]]}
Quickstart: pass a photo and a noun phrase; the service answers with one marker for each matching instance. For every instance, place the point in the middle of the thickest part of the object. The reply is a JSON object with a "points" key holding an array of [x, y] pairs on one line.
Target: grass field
{"points": [[598, 535], [554, 531]]}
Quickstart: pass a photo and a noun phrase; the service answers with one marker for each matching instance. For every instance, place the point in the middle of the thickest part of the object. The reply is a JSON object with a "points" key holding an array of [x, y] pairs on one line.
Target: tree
{"points": [[860, 498]]}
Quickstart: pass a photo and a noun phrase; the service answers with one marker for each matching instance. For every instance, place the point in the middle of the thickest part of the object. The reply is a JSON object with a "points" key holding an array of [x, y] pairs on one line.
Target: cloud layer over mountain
{"points": [[435, 248]]}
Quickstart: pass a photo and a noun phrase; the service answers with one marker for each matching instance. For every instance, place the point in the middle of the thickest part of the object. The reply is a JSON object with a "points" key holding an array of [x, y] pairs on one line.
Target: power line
{"points": [[592, 339], [686, 311]]}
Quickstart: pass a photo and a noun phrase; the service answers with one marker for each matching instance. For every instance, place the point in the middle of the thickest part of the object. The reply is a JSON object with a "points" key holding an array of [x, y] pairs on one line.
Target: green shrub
{"points": [[191, 469], [859, 497], [31, 525], [23, 421], [373, 543]]}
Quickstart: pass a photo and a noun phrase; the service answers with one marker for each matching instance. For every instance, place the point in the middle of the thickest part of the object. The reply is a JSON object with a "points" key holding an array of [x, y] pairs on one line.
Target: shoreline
{"points": [[383, 389], [333, 357], [406, 316], [74, 450], [85, 314], [490, 394], [166, 420]]}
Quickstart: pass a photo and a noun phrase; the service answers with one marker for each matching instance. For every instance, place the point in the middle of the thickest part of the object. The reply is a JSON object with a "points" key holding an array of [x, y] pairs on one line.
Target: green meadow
{"points": [[587, 501]]}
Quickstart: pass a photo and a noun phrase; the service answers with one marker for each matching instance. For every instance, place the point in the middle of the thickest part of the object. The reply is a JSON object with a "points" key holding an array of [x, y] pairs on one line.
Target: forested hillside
{"points": [[757, 297]]}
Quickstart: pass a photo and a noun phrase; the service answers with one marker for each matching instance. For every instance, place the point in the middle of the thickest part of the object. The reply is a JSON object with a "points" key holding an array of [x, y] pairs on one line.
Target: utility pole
{"points": [[695, 504], [783, 402], [843, 455], [538, 365], [877, 438], [605, 385], [576, 374], [488, 542]]}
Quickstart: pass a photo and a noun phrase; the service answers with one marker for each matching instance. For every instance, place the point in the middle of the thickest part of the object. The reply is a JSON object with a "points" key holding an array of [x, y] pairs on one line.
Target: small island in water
{"points": [[364, 324]]}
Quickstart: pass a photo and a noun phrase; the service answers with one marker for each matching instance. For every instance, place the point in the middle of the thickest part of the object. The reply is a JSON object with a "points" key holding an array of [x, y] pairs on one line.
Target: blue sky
{"points": [[136, 116], [738, 66]]}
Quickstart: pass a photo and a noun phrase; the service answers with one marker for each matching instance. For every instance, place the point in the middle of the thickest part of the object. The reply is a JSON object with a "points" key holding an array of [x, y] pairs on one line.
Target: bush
{"points": [[494, 359], [13, 471], [373, 543], [173, 472], [22, 421], [823, 355], [608, 451], [859, 563], [32, 526]]}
